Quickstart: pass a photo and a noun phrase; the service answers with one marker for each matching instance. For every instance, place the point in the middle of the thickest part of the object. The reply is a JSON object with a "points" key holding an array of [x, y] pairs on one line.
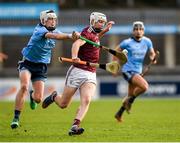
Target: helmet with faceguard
{"points": [[44, 15], [94, 18]]}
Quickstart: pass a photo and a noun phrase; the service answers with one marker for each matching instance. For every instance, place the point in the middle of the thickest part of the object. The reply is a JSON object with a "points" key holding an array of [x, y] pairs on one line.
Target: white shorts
{"points": [[76, 77]]}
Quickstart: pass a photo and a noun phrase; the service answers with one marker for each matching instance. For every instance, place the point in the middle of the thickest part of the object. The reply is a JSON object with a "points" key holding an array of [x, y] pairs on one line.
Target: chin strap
{"points": [[97, 30], [50, 28]]}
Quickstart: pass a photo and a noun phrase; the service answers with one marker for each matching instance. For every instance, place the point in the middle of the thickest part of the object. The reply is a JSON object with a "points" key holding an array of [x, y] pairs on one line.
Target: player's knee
{"points": [[37, 98], [63, 105], [24, 88], [87, 101]]}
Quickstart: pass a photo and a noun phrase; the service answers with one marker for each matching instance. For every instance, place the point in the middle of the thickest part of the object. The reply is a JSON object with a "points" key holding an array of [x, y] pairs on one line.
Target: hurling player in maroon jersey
{"points": [[82, 77]]}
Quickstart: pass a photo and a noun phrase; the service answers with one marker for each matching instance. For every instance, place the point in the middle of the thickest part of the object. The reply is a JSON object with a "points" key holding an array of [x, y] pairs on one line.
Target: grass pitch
{"points": [[151, 120]]}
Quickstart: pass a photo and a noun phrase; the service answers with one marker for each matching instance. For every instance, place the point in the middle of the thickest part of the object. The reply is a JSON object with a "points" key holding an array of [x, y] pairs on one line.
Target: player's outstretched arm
{"points": [[63, 36]]}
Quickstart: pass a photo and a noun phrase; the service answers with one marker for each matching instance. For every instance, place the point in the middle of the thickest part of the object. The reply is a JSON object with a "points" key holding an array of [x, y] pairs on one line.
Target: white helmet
{"points": [[96, 16], [44, 15], [137, 24]]}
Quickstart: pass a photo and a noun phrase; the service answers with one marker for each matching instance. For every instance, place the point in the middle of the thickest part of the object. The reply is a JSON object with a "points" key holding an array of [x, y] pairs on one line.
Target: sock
{"points": [[17, 114], [53, 97], [77, 122], [121, 110], [131, 99]]}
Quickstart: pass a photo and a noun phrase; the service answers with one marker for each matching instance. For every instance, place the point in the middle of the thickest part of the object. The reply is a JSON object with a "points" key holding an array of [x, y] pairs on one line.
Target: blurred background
{"points": [[162, 24]]}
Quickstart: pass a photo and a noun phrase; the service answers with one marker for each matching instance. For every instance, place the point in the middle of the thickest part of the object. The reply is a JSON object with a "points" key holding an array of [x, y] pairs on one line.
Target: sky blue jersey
{"points": [[39, 48], [136, 53]]}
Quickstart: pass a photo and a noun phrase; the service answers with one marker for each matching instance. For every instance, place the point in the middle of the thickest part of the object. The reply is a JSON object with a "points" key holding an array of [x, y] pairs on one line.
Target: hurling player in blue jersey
{"points": [[137, 46], [36, 56]]}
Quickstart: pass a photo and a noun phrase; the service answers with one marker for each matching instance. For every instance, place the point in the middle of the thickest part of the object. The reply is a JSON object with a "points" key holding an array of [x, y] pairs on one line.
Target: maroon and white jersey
{"points": [[88, 52]]}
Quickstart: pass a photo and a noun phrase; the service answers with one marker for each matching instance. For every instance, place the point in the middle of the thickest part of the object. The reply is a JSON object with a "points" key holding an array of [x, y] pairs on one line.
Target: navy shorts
{"points": [[38, 70], [128, 75]]}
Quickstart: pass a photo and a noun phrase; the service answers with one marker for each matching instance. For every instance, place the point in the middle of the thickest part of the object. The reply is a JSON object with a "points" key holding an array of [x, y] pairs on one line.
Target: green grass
{"points": [[151, 120]]}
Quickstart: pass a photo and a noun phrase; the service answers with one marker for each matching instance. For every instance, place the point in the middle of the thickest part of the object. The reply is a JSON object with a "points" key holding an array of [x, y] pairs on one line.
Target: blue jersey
{"points": [[38, 49], [136, 53]]}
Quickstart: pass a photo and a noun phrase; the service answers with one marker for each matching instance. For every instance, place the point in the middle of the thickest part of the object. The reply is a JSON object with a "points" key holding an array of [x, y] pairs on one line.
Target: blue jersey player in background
{"points": [[36, 56], [137, 46]]}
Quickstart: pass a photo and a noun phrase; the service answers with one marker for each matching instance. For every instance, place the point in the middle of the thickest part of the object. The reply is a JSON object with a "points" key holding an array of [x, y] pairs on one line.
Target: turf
{"points": [[151, 120]]}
